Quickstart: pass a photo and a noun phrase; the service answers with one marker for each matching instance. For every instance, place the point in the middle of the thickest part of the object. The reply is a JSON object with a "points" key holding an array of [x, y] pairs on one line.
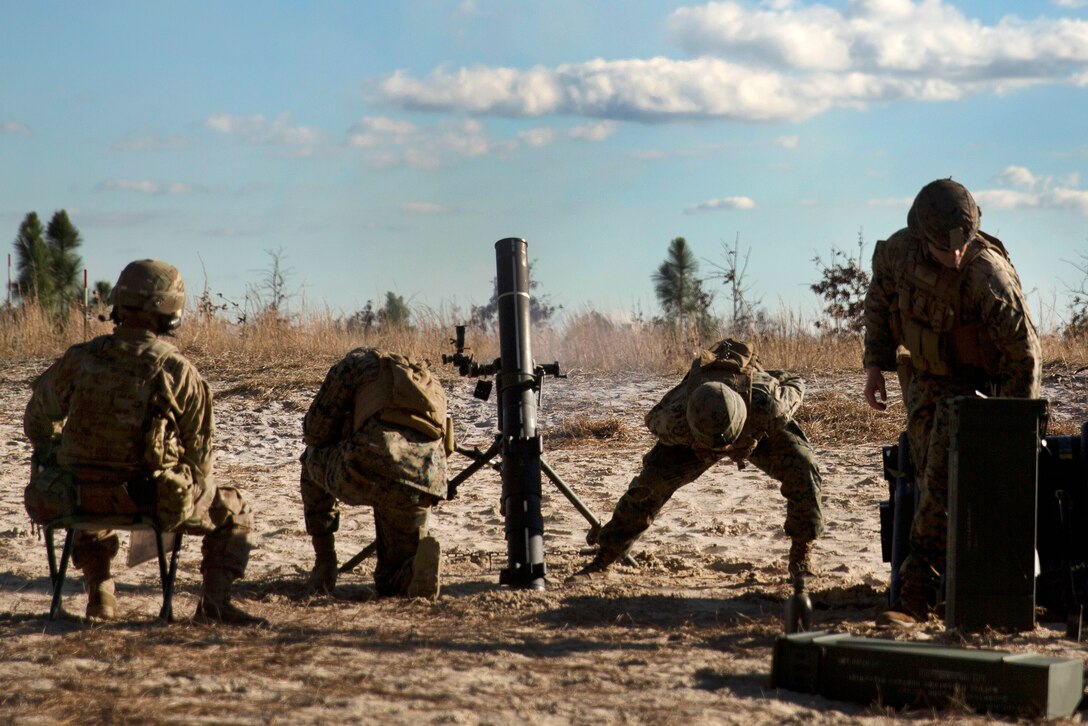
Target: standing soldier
{"points": [[374, 436], [123, 425], [726, 406], [947, 292]]}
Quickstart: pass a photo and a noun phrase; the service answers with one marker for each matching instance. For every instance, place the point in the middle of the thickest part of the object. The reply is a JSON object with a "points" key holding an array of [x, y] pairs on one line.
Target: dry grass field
{"points": [[683, 638]]}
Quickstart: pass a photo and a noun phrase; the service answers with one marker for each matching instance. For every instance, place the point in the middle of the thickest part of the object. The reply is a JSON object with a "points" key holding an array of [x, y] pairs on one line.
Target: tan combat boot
{"points": [[600, 563], [215, 604], [323, 575], [101, 601], [800, 562], [93, 555], [912, 607], [426, 570]]}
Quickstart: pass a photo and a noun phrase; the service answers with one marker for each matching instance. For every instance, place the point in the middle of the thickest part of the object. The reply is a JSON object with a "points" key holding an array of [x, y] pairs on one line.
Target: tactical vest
{"points": [[730, 362], [109, 412], [927, 316], [404, 393]]}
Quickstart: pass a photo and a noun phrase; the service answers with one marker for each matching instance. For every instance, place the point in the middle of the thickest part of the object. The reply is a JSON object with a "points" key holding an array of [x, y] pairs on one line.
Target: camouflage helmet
{"points": [[151, 286], [716, 415], [944, 214]]}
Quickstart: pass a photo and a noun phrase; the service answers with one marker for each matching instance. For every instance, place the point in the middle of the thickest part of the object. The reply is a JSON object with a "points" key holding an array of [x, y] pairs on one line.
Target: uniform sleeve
{"points": [[192, 404], [1004, 313], [776, 395], [880, 344], [333, 406], [790, 394], [48, 406]]}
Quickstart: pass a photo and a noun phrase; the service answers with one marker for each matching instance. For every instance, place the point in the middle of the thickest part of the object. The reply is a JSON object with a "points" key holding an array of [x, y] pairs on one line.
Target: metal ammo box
{"points": [[992, 483]]}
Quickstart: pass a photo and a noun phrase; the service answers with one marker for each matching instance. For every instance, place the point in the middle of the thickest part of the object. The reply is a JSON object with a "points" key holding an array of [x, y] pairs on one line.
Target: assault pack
{"points": [[406, 394], [728, 361]]}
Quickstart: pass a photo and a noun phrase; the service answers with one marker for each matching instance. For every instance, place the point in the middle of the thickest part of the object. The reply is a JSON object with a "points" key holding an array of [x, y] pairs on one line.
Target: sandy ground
{"points": [[686, 637]]}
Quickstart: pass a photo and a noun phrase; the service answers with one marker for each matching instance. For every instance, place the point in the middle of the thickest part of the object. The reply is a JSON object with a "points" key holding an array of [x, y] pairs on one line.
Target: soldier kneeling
{"points": [[374, 436]]}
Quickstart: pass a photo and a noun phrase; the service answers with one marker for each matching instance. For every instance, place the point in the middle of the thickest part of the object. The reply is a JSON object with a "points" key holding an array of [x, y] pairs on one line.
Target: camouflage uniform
{"points": [[135, 435], [770, 439], [967, 330], [397, 470]]}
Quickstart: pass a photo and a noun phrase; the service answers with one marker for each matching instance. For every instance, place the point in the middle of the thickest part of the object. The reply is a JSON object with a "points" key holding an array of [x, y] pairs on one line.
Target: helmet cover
{"points": [[151, 286], [716, 415], [944, 214]]}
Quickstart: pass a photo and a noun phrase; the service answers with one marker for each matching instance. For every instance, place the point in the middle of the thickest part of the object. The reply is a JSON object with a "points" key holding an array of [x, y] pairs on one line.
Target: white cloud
{"points": [[256, 129], [426, 208], [14, 127], [388, 142], [594, 132], [776, 61], [787, 142], [546, 135], [1071, 4], [722, 204], [537, 137], [371, 131], [1033, 191], [151, 142], [812, 37], [148, 187], [931, 37], [649, 90]]}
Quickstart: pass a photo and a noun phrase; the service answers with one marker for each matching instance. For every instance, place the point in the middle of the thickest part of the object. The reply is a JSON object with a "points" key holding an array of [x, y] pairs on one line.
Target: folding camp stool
{"points": [[94, 522]]}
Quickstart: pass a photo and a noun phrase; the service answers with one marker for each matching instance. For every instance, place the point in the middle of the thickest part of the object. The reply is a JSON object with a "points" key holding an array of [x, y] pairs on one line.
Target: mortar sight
{"points": [[466, 365]]}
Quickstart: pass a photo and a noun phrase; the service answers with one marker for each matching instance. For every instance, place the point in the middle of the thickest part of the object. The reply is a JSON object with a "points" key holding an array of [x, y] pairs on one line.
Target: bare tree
{"points": [[746, 312], [1076, 327], [271, 294]]}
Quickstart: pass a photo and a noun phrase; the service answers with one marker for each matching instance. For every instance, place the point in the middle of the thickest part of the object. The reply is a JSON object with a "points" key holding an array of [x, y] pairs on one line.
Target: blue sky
{"points": [[387, 146]]}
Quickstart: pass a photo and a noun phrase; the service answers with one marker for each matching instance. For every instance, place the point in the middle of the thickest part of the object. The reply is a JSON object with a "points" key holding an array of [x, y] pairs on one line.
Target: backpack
{"points": [[404, 393], [728, 361]]}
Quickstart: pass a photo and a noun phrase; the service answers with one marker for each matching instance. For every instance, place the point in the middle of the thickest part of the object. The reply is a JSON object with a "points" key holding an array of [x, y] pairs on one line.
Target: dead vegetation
{"points": [[684, 638], [587, 430]]}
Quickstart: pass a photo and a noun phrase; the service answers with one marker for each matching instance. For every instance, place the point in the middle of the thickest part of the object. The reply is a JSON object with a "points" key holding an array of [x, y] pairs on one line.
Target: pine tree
{"points": [[63, 239], [33, 264], [678, 288]]}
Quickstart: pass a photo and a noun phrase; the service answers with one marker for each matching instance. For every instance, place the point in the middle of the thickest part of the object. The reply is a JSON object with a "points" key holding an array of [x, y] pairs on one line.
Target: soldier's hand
{"points": [[874, 388]]}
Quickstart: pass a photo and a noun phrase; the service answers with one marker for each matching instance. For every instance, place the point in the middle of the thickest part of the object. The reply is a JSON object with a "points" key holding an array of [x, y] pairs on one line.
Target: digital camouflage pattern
{"points": [[966, 330], [124, 423], [397, 470], [370, 449], [770, 439], [329, 476]]}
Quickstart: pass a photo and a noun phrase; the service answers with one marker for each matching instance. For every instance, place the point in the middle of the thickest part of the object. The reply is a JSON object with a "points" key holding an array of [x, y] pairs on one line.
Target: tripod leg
{"points": [[480, 459], [363, 554], [594, 523]]}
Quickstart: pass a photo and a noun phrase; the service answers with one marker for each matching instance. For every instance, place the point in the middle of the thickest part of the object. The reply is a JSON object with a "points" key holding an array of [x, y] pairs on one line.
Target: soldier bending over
{"points": [[726, 406], [374, 436]]}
